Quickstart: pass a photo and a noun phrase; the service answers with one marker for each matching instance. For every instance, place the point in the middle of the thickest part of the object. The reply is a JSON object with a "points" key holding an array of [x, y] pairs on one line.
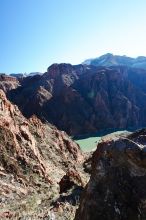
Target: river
{"points": [[89, 142]]}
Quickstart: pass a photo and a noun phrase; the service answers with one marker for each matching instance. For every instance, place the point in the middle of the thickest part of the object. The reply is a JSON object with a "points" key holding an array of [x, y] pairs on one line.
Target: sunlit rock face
{"points": [[116, 189], [8, 83], [34, 158]]}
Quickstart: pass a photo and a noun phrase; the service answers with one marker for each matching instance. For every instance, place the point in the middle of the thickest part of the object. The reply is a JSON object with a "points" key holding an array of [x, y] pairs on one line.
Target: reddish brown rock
{"points": [[116, 189], [83, 99], [70, 179], [8, 83], [34, 157]]}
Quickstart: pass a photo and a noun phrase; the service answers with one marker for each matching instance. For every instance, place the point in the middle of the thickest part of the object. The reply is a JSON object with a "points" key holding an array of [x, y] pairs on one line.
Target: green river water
{"points": [[89, 143]]}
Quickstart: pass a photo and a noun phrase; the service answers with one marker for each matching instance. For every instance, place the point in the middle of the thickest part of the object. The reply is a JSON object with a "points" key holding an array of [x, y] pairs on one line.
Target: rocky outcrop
{"points": [[83, 99], [116, 189], [34, 157], [8, 82]]}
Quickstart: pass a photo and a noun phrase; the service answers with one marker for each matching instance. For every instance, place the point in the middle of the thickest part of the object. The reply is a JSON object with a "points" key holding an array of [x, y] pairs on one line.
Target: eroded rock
{"points": [[34, 157], [116, 189]]}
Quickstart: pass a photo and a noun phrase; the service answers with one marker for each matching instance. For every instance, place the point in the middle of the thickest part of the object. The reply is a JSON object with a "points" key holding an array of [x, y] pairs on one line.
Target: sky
{"points": [[36, 33]]}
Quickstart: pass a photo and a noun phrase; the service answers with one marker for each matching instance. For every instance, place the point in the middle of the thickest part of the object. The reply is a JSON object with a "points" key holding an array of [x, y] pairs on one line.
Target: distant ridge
{"points": [[17, 75], [115, 60]]}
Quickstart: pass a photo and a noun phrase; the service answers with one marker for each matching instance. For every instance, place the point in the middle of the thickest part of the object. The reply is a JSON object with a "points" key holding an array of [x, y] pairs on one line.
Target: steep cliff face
{"points": [[34, 158], [83, 99], [116, 100], [8, 82], [116, 189]]}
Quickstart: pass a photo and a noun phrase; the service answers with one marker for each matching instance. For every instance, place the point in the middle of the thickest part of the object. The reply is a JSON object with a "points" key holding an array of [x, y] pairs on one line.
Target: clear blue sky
{"points": [[36, 33]]}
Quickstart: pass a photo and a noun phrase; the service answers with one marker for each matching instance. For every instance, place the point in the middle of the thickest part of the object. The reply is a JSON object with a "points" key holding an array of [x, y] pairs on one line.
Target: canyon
{"points": [[83, 99], [44, 173]]}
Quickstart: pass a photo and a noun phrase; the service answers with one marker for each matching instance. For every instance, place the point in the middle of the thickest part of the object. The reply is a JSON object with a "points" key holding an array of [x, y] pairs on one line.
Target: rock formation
{"points": [[8, 82], [83, 99], [116, 60], [116, 189], [34, 157]]}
